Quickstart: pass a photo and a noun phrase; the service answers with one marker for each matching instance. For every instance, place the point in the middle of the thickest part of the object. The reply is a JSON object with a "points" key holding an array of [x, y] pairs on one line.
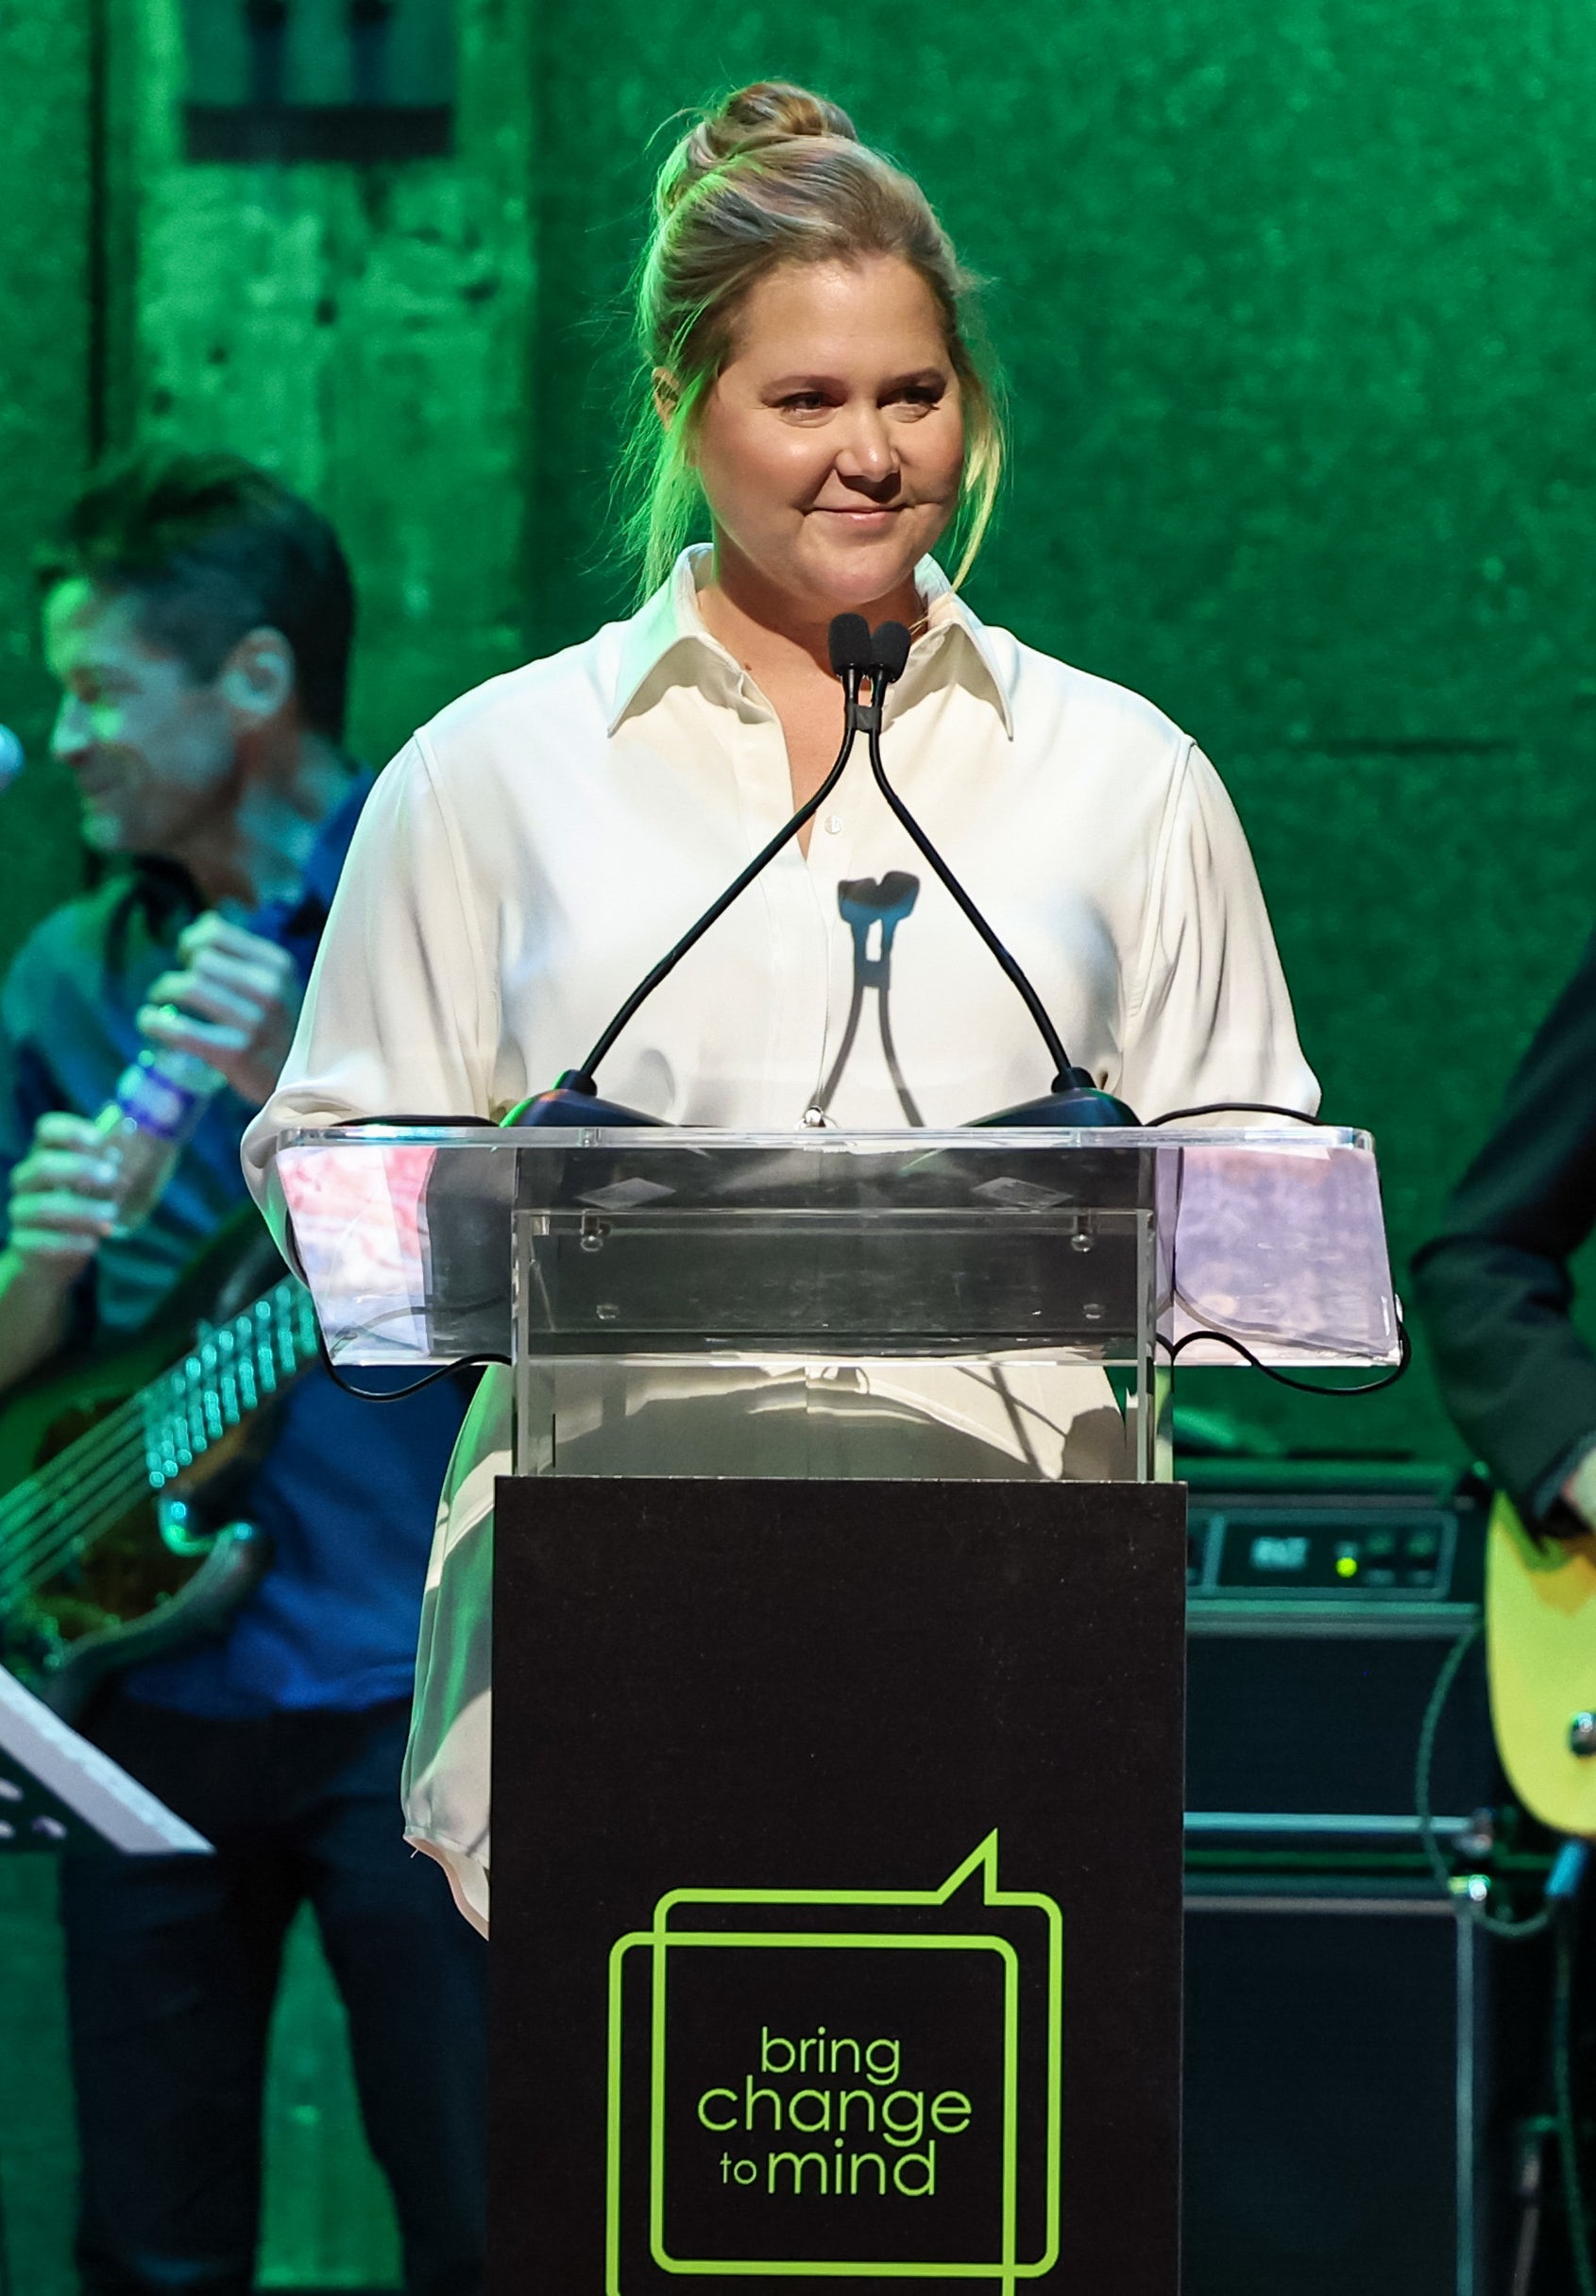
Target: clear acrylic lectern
{"points": [[708, 1302], [838, 1663]]}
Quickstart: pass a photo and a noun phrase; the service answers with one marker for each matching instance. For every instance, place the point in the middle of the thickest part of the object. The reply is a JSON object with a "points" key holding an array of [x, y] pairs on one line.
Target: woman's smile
{"points": [[868, 515]]}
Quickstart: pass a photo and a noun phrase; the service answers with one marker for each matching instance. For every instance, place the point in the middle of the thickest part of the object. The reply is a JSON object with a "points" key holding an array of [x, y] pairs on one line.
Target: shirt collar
{"points": [[670, 624], [667, 624], [952, 628]]}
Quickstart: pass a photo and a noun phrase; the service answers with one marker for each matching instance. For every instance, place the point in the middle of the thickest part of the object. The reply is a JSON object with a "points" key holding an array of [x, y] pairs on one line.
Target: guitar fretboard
{"points": [[57, 1512], [230, 1372]]}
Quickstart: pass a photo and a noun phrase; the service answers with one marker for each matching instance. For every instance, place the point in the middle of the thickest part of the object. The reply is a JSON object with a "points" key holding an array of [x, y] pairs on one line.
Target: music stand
{"points": [[55, 1788]]}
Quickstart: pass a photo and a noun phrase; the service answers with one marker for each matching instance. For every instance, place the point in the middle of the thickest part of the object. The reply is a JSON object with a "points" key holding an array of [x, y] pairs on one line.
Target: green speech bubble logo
{"points": [[780, 2148]]}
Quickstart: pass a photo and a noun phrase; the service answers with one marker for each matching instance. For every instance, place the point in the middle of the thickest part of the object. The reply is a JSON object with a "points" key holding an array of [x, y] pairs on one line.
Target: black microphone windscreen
{"points": [[849, 641], [889, 647]]}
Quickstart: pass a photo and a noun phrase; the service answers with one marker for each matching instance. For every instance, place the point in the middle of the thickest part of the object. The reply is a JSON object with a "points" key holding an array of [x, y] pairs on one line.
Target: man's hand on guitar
{"points": [[235, 1003]]}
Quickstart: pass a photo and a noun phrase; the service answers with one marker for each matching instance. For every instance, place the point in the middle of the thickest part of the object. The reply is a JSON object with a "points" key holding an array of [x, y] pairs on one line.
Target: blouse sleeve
{"points": [[399, 1016], [1210, 1017]]}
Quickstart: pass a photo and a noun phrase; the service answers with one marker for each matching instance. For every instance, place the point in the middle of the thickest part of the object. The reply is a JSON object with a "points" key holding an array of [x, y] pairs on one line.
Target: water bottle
{"points": [[148, 1122]]}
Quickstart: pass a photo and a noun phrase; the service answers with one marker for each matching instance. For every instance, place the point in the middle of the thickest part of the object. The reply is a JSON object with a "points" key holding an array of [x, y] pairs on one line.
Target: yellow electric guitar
{"points": [[1540, 1630]]}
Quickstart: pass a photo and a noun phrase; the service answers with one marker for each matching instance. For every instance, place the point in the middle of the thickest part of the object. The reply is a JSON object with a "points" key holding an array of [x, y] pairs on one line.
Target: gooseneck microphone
{"points": [[574, 1099], [857, 653], [1073, 1101]]}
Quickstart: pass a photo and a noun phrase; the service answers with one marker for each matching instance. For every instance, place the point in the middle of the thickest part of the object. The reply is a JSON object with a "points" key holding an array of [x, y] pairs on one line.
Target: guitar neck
{"points": [[155, 1432], [230, 1372]]}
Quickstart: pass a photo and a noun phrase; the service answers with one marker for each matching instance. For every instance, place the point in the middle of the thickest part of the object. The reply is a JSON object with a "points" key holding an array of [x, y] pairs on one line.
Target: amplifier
{"points": [[1278, 1538], [1324, 1598], [1345, 2095]]}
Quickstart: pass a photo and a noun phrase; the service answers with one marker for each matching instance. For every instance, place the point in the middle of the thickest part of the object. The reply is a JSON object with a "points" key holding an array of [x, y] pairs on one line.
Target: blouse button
{"points": [[834, 825]]}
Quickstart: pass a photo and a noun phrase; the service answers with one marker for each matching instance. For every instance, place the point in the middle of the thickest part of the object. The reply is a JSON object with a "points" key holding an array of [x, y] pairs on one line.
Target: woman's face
{"points": [[831, 445]]}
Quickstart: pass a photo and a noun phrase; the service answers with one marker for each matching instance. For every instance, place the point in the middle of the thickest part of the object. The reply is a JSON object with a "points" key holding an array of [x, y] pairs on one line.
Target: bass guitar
{"points": [[115, 1469]]}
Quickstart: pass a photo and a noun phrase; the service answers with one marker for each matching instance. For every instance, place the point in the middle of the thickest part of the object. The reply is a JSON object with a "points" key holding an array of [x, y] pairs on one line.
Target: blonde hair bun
{"points": [[769, 111]]}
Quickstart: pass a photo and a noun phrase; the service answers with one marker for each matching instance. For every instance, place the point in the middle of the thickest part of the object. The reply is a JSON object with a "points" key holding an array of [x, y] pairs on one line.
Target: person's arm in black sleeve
{"points": [[1494, 1288]]}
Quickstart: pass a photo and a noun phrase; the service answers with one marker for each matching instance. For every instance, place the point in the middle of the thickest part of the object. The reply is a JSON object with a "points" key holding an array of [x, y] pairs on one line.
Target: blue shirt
{"points": [[349, 1489]]}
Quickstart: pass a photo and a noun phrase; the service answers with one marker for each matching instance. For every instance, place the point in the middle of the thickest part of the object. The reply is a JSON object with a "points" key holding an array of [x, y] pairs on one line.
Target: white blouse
{"points": [[534, 850]]}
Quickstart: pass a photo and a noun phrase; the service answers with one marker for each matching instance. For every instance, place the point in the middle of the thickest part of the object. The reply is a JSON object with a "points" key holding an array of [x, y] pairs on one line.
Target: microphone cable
{"points": [[1236, 1108], [414, 1387], [1174, 1349]]}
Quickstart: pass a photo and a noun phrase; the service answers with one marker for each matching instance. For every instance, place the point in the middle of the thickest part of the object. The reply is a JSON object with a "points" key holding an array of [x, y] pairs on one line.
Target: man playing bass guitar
{"points": [[198, 618]]}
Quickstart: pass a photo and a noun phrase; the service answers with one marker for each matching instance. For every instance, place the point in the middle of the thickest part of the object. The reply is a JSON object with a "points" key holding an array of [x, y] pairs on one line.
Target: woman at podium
{"points": [[814, 398]]}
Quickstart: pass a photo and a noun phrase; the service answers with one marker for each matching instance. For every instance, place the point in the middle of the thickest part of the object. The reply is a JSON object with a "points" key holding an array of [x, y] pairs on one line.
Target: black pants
{"points": [[172, 1967]]}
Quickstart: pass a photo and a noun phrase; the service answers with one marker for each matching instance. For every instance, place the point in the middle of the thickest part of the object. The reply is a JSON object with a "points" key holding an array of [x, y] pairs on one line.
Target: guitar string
{"points": [[85, 1456], [123, 1471], [127, 1426], [118, 1484], [40, 1539], [33, 1539], [119, 1443], [50, 1542], [117, 1475], [15, 1503], [117, 1489], [120, 1474]]}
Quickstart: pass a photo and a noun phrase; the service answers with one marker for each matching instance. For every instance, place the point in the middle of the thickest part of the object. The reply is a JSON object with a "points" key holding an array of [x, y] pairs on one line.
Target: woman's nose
{"points": [[866, 454]]}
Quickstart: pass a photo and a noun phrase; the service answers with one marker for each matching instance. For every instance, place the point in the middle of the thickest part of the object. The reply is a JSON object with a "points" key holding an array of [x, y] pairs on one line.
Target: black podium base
{"points": [[837, 1887]]}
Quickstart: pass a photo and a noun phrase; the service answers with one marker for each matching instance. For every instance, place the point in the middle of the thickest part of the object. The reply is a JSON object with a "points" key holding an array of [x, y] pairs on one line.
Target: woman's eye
{"points": [[919, 396]]}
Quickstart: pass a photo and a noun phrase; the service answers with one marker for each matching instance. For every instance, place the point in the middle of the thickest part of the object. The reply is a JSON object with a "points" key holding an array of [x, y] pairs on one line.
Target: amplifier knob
{"points": [[1582, 1734]]}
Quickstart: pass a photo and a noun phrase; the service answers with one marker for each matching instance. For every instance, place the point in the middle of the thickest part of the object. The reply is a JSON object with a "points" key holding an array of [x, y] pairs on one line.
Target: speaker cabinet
{"points": [[1335, 2090]]}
